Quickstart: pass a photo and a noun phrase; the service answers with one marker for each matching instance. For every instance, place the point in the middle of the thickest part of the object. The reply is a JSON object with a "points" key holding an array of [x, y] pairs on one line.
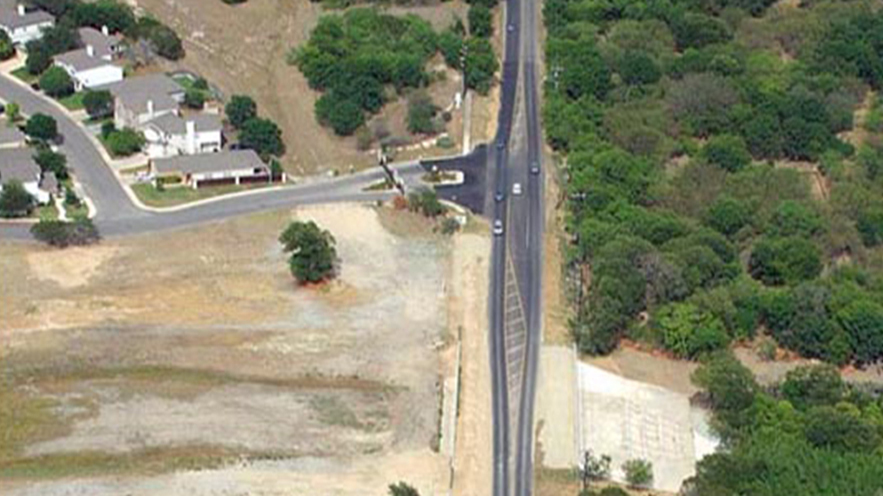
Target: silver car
{"points": [[498, 227]]}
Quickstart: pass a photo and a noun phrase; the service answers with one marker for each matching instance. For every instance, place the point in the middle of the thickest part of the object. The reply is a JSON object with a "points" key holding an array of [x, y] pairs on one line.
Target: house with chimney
{"points": [[22, 23], [93, 65], [139, 100], [170, 134]]}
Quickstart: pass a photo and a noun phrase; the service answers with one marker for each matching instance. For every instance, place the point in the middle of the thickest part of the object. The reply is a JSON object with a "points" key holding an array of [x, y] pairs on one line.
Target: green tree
{"points": [[813, 385], [7, 50], [343, 115], [56, 82], [784, 261], [311, 251], [450, 42], [402, 489], [262, 136], [240, 109], [194, 98], [125, 142], [421, 114], [41, 127], [39, 58], [54, 162], [637, 67], [481, 64], [792, 218], [579, 68], [870, 226], [688, 332], [727, 152], [15, 201], [116, 16], [731, 390], [480, 23], [841, 428], [426, 202], [728, 215], [98, 103], [81, 231], [862, 320], [638, 472], [696, 30]]}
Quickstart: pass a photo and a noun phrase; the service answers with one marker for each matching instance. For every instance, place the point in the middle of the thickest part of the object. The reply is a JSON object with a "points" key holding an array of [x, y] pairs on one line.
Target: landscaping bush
{"points": [[262, 136], [421, 114], [15, 201], [240, 109], [41, 127], [81, 231], [125, 142], [56, 82], [98, 104], [7, 50], [194, 98], [51, 161]]}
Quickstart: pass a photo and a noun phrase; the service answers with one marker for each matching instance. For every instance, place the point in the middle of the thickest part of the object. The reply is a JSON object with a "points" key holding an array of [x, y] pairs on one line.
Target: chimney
{"points": [[104, 30], [191, 138], [21, 9], [90, 50], [150, 109]]}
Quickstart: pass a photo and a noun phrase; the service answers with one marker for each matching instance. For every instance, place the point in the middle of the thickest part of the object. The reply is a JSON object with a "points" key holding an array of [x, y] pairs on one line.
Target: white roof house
{"points": [[21, 23], [229, 166], [141, 99], [170, 134], [17, 164]]}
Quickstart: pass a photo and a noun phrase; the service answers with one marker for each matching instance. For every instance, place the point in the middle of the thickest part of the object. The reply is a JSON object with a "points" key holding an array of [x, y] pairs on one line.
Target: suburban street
{"points": [[118, 215]]}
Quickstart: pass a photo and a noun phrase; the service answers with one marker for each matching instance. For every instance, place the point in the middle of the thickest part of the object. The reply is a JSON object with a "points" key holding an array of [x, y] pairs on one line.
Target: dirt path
{"points": [[473, 460]]}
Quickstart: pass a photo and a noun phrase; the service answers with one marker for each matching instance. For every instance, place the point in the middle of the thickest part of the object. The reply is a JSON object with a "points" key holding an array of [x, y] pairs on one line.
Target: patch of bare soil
{"points": [[648, 367], [772, 371], [242, 49], [556, 305], [201, 338]]}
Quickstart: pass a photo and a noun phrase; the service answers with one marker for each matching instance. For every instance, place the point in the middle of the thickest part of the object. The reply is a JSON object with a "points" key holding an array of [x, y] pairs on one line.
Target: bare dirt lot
{"points": [[242, 49], [129, 365]]}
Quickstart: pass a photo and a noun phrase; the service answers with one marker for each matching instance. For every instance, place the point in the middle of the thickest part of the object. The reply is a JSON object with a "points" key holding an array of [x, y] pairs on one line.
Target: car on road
{"points": [[498, 227], [510, 28], [501, 144], [534, 168], [516, 189], [500, 196]]}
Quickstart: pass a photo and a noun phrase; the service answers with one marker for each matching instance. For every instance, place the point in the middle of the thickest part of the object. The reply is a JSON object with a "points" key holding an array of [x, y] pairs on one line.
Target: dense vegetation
{"points": [[311, 251], [810, 435], [687, 128], [362, 58]]}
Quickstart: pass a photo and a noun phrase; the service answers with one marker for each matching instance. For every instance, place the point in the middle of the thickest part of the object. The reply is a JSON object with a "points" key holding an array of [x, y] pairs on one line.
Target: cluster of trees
{"points": [[260, 134], [362, 57], [78, 232], [15, 201], [810, 434], [117, 16], [719, 243]]}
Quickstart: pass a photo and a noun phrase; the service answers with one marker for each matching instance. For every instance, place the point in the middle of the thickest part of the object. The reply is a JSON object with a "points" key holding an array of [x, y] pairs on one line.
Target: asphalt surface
{"points": [[117, 215]]}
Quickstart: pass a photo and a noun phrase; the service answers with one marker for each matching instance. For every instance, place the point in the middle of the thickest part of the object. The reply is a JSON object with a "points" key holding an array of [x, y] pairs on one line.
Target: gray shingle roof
{"points": [[103, 45], [10, 18], [173, 124], [49, 183], [80, 60], [10, 134], [209, 162], [18, 163], [135, 92]]}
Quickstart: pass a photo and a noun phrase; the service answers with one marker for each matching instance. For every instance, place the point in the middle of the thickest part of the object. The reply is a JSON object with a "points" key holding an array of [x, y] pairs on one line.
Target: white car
{"points": [[498, 227], [516, 189]]}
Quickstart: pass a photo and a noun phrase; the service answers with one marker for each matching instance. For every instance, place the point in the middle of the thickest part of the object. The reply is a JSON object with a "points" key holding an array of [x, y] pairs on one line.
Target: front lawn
{"points": [[74, 101], [23, 74], [45, 212], [177, 195]]}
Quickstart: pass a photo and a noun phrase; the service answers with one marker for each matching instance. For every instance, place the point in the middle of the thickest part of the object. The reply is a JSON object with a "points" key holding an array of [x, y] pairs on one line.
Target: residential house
{"points": [[18, 164], [141, 99], [21, 23], [225, 167], [11, 136], [170, 134], [93, 64]]}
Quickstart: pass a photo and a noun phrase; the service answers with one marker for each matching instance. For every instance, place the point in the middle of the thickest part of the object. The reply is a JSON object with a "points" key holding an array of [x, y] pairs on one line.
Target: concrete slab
{"points": [[628, 419], [556, 407]]}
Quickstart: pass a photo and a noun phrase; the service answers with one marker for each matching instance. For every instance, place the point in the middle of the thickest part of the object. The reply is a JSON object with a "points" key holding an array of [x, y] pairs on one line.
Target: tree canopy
{"points": [[311, 251]]}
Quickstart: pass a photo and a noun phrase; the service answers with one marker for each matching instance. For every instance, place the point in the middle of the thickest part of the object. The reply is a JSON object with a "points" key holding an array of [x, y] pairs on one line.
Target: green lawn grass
{"points": [[74, 101], [23, 74], [177, 195]]}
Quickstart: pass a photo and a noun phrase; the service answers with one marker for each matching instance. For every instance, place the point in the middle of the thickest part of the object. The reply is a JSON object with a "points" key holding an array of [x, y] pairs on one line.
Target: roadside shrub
{"points": [[689, 332], [638, 472], [480, 22], [81, 231], [421, 114], [426, 202], [107, 128]]}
